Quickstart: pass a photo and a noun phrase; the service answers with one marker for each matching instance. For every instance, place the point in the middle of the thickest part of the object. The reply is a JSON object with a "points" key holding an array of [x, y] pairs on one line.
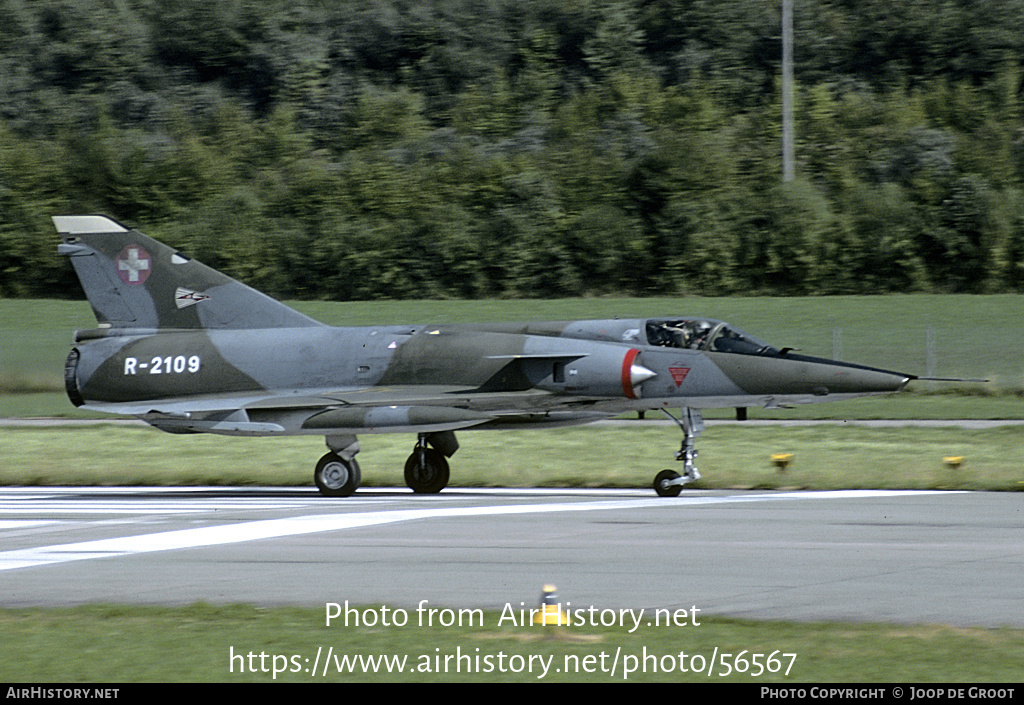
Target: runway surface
{"points": [[896, 556]]}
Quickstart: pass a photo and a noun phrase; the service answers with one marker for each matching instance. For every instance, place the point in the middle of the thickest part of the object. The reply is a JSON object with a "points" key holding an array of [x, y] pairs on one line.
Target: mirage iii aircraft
{"points": [[191, 350]]}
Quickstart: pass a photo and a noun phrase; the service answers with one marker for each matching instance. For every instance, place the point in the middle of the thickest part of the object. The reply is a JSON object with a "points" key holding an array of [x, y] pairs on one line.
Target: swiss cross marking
{"points": [[133, 265]]}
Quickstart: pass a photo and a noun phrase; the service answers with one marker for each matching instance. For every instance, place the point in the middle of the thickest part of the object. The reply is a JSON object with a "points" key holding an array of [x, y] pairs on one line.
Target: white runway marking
{"points": [[87, 507], [316, 523], [23, 523], [18, 501]]}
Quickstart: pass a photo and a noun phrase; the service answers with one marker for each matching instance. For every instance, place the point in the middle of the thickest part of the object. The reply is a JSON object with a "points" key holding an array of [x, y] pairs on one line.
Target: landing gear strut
{"points": [[669, 483], [426, 470]]}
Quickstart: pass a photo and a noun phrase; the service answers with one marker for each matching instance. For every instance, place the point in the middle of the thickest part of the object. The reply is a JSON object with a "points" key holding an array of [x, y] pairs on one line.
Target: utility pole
{"points": [[788, 170]]}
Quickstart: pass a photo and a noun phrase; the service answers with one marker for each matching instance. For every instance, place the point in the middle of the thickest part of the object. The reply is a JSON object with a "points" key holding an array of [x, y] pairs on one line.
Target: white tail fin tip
{"points": [[85, 224]]}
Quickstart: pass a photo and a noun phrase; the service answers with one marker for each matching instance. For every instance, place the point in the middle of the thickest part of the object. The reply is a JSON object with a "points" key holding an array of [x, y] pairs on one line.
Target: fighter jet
{"points": [[191, 350]]}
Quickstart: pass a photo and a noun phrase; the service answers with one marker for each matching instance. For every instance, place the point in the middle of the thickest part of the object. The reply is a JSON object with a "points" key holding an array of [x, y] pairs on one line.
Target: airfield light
{"points": [[550, 612]]}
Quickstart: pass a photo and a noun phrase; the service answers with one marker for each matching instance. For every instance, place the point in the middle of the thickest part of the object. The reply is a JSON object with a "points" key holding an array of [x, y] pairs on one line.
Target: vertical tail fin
{"points": [[133, 281]]}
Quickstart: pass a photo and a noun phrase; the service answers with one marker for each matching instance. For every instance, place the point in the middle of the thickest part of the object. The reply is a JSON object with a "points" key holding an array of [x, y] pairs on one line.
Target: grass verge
{"points": [[196, 644], [732, 457]]}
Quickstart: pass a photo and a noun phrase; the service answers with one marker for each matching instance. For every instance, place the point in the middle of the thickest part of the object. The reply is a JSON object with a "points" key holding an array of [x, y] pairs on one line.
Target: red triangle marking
{"points": [[679, 374]]}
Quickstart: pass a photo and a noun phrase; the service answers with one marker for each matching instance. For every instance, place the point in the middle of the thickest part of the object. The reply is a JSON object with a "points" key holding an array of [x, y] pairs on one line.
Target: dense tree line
{"points": [[429, 148]]}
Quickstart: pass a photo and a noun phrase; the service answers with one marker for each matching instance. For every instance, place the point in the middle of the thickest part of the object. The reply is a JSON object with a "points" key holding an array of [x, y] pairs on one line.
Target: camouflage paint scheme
{"points": [[190, 350]]}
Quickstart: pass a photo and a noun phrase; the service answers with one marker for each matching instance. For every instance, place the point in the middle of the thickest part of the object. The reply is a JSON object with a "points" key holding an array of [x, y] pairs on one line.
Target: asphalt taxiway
{"points": [[895, 556]]}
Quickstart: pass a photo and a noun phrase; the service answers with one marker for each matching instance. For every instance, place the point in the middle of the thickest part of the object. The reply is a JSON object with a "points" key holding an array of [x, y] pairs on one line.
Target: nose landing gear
{"points": [[669, 483]]}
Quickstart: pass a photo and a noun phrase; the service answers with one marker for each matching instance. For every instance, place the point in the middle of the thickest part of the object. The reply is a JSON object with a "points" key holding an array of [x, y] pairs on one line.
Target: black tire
{"points": [[426, 471], [336, 477], [664, 490]]}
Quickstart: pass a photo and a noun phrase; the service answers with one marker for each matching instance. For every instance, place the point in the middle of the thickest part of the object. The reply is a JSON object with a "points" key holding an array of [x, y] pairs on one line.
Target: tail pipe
{"points": [[71, 378]]}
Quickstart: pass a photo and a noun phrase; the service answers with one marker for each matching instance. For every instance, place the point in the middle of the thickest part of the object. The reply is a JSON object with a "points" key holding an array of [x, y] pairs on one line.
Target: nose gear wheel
{"points": [[669, 483]]}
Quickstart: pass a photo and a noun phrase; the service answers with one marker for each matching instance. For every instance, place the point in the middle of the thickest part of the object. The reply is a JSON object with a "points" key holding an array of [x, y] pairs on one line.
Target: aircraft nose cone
{"points": [[866, 381], [805, 375]]}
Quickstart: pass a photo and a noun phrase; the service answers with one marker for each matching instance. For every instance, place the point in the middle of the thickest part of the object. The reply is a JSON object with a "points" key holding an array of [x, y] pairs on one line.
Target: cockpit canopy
{"points": [[704, 334]]}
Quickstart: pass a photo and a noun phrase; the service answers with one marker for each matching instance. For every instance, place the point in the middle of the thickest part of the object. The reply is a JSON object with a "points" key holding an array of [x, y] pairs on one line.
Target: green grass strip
{"points": [[196, 644], [830, 456]]}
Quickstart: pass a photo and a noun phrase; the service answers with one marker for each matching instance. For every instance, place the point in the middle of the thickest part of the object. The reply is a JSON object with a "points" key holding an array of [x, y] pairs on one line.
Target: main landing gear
{"points": [[669, 483], [426, 471], [337, 474], [336, 477]]}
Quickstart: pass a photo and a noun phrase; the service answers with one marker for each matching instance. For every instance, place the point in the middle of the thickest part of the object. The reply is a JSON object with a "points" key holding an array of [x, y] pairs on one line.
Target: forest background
{"points": [[359, 149]]}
